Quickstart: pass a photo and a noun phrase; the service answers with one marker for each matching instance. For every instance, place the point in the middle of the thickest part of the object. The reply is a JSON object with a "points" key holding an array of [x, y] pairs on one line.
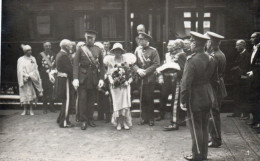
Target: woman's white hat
{"points": [[117, 46], [25, 47]]}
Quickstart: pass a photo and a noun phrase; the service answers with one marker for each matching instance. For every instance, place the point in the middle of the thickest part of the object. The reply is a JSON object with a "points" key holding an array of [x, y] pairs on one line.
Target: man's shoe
{"points": [[142, 122], [213, 145], [257, 126], [244, 118], [92, 124], [189, 157], [171, 127], [84, 126], [233, 115], [151, 123]]}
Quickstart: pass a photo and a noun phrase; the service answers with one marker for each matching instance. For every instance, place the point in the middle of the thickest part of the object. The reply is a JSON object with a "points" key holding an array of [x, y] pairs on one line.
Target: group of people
{"points": [[193, 69]]}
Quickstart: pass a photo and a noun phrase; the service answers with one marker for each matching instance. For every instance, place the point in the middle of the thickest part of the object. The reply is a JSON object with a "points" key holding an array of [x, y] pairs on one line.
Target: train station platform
{"points": [[38, 138]]}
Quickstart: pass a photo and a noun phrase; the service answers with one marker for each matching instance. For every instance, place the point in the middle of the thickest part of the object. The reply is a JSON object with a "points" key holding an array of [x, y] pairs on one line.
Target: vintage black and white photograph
{"points": [[130, 80]]}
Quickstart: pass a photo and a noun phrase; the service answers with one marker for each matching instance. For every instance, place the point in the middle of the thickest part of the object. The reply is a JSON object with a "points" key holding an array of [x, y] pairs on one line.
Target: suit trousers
{"points": [[87, 99], [201, 122], [61, 118], [147, 102]]}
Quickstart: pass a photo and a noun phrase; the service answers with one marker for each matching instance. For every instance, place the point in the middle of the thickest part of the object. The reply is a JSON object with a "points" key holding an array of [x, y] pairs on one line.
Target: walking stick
{"points": [[77, 107], [141, 94], [193, 125], [214, 123]]}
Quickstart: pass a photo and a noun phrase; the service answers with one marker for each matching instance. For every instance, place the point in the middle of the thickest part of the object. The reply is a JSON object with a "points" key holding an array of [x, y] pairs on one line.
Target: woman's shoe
{"points": [[24, 113], [31, 113], [126, 126], [118, 127]]}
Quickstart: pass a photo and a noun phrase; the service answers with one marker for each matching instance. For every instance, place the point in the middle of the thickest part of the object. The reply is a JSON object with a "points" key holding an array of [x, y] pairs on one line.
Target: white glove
{"points": [[183, 107], [75, 83], [100, 83], [250, 73], [141, 72], [51, 77]]}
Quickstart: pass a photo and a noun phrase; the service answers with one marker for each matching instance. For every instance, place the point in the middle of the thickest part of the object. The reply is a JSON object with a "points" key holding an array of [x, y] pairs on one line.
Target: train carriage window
{"points": [[43, 25], [187, 21], [111, 27], [40, 26]]}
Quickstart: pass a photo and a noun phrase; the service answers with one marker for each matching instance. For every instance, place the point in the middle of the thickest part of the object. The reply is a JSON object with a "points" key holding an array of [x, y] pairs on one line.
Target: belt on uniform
{"points": [[60, 74]]}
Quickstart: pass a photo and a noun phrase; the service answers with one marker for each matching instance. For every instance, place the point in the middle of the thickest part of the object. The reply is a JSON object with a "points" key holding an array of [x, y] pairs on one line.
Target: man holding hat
{"points": [[197, 95], [170, 78], [147, 61], [88, 73], [218, 86]]}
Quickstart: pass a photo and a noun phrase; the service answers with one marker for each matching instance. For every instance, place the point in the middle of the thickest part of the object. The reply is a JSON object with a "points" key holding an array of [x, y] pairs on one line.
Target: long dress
{"points": [[28, 79], [121, 96]]}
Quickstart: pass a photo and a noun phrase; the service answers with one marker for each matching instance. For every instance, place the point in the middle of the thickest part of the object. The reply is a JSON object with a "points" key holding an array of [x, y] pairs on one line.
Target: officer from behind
{"points": [[218, 87], [197, 95], [147, 61], [88, 73]]}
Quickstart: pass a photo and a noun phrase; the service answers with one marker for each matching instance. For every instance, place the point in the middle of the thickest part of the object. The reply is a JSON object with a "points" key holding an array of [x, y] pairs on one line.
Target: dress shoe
{"points": [[92, 124], [151, 123], [24, 113], [142, 122], [213, 145], [171, 127], [68, 125], [118, 127], [31, 113], [233, 115], [244, 118], [84, 126], [256, 126]]}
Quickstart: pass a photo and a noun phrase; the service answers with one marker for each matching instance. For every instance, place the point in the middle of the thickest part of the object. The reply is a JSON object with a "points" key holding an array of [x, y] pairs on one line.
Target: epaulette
{"points": [[190, 56]]}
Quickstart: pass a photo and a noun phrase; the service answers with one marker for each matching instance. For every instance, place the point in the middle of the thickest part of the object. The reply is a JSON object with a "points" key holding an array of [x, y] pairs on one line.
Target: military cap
{"points": [[143, 35], [198, 36], [91, 32], [215, 36]]}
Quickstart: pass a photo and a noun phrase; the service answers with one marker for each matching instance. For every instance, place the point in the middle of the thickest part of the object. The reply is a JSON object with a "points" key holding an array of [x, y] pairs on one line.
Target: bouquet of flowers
{"points": [[121, 74]]}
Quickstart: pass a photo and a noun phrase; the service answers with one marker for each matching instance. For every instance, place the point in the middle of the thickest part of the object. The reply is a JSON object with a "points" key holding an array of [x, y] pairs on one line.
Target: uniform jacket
{"points": [[196, 90], [220, 58], [83, 70], [153, 61], [255, 67], [63, 65]]}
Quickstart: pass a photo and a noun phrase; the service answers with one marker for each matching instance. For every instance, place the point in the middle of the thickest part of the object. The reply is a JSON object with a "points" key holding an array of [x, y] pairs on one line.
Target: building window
{"points": [[83, 22], [111, 27], [43, 24]]}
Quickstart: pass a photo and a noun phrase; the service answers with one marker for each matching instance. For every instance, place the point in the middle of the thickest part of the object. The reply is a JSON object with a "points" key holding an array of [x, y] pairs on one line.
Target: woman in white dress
{"points": [[120, 62], [28, 79]]}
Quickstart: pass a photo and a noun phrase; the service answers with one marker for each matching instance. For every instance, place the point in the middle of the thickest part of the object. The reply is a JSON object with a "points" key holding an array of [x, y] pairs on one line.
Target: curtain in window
{"points": [[179, 25]]}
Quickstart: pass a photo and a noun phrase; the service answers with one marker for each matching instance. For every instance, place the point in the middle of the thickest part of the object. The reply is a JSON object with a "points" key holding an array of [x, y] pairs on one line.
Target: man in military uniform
{"points": [[63, 82], [170, 79], [219, 87], [147, 61], [197, 95], [88, 73], [47, 63]]}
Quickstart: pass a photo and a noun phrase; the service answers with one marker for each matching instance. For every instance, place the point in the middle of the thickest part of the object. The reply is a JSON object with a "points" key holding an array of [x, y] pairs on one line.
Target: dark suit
{"points": [[152, 62], [240, 85], [63, 84], [255, 86], [88, 75], [171, 86], [197, 94], [220, 92]]}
